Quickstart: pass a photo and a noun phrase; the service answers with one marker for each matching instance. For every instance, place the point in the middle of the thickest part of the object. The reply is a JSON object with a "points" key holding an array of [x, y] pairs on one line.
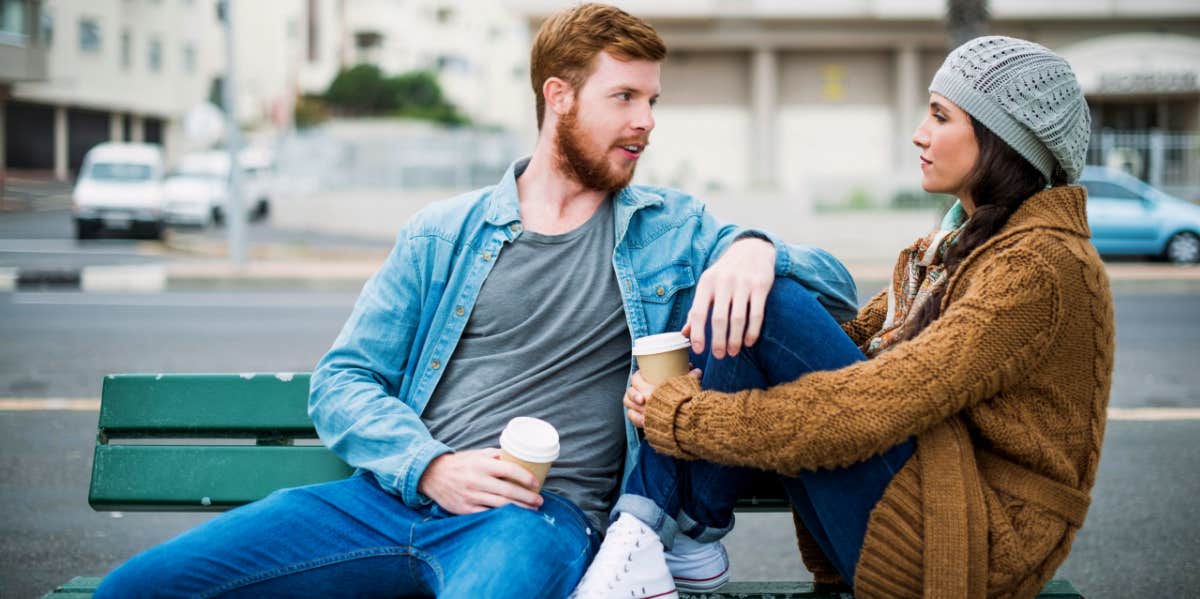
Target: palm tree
{"points": [[965, 20]]}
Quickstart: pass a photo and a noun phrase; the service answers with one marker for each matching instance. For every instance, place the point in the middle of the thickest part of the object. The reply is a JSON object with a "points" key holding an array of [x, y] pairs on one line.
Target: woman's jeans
{"points": [[697, 497], [350, 538]]}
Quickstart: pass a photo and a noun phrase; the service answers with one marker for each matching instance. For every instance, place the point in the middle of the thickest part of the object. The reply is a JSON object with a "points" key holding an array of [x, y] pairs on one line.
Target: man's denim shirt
{"points": [[368, 392]]}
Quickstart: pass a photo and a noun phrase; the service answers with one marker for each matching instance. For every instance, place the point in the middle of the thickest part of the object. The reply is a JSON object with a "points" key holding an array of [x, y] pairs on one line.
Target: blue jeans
{"points": [[350, 538], [697, 497]]}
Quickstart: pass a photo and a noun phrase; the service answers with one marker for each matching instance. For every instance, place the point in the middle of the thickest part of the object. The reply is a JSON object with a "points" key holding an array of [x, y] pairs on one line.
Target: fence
{"points": [[1168, 161]]}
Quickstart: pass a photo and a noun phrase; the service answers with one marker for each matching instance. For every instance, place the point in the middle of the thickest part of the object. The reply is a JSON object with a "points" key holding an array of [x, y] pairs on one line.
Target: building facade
{"points": [[820, 99], [115, 70]]}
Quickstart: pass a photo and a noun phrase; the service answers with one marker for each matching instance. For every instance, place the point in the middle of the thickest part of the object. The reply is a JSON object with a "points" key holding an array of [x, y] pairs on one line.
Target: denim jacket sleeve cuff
{"points": [[410, 477], [783, 258]]}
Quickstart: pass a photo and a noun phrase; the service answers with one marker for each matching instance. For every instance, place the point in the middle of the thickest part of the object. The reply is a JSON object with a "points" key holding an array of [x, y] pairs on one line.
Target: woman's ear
{"points": [[559, 94]]}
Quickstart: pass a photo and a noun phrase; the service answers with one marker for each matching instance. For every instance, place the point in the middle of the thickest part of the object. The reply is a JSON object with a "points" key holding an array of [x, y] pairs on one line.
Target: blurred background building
{"points": [[821, 98], [813, 100]]}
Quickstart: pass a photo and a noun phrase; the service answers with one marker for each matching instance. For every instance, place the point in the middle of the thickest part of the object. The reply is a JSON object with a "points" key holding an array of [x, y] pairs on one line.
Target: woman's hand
{"points": [[639, 392]]}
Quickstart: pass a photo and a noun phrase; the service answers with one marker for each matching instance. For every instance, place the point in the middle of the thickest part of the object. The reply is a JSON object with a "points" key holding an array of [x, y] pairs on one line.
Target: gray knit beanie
{"points": [[1025, 94]]}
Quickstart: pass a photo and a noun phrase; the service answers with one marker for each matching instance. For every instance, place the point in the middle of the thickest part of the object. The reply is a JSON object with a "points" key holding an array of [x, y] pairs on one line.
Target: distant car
{"points": [[119, 189], [197, 191], [258, 181], [1130, 218]]}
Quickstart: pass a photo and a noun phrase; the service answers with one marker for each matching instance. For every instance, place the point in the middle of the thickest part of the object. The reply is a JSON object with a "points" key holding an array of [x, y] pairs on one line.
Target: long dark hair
{"points": [[1000, 182]]}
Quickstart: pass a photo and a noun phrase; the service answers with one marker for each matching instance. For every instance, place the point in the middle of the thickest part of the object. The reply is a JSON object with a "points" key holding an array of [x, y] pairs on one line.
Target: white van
{"points": [[120, 190]]}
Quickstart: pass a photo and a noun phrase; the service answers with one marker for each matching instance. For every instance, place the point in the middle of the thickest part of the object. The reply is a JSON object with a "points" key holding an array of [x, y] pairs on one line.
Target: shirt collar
{"points": [[504, 203]]}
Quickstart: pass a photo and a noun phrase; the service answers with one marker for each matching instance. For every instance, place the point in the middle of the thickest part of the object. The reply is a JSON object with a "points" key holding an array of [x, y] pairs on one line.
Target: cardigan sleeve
{"points": [[985, 340], [869, 320]]}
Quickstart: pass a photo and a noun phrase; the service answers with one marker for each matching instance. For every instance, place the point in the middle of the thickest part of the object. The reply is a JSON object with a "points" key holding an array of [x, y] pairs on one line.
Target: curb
{"points": [[327, 275], [189, 277]]}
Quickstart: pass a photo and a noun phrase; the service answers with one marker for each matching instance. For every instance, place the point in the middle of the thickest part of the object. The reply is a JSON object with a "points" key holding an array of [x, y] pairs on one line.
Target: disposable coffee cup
{"points": [[661, 357], [530, 443]]}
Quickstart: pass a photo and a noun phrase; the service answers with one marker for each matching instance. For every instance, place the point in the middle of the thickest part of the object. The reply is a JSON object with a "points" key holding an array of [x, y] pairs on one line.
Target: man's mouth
{"points": [[925, 162], [632, 151]]}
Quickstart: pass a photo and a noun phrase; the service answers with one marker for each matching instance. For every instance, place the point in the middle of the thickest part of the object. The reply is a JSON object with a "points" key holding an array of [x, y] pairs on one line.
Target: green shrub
{"points": [[310, 111]]}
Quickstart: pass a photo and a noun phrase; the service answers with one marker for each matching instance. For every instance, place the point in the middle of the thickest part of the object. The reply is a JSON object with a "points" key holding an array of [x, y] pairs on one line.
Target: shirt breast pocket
{"points": [[665, 295]]}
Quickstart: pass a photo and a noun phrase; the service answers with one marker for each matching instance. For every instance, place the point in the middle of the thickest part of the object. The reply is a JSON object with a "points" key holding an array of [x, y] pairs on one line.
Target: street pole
{"points": [[235, 216]]}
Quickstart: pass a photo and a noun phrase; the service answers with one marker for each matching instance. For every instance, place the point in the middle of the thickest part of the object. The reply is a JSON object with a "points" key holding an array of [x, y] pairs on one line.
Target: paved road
{"points": [[1142, 532]]}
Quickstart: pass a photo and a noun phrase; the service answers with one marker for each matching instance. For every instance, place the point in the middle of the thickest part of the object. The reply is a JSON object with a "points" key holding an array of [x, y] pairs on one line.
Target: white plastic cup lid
{"points": [[531, 439], [657, 344]]}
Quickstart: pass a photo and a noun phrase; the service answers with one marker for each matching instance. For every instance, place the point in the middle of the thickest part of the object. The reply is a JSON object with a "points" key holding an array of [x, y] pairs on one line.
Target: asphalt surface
{"points": [[1142, 533], [1141, 538]]}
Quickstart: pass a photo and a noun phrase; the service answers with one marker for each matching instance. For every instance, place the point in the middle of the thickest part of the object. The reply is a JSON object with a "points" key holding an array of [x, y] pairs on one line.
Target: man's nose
{"points": [[644, 119]]}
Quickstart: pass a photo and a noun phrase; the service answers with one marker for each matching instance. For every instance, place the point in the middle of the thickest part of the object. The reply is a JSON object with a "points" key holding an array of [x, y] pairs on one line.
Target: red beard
{"points": [[593, 171]]}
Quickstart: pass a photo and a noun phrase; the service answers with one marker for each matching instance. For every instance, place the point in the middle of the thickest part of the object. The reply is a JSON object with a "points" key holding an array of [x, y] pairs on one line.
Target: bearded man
{"points": [[519, 299]]}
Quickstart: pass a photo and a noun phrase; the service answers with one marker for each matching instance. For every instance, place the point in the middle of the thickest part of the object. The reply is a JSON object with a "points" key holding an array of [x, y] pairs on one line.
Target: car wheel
{"points": [[261, 210], [86, 230], [218, 217], [1183, 248]]}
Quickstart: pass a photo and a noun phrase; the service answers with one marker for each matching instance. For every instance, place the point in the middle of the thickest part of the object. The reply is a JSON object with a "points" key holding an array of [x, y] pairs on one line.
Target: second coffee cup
{"points": [[661, 357]]}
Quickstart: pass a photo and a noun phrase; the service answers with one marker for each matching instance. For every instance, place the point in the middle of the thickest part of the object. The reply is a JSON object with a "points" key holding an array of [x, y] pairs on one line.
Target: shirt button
{"points": [[514, 227], [435, 365], [458, 311], [660, 291], [487, 256]]}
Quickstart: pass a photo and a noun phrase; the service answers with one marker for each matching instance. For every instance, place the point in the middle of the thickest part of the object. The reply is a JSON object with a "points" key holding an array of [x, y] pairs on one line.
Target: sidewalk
{"points": [[346, 270], [867, 241]]}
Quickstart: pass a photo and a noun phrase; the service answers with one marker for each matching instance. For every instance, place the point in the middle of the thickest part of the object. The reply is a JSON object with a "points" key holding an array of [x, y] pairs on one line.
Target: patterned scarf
{"points": [[920, 271]]}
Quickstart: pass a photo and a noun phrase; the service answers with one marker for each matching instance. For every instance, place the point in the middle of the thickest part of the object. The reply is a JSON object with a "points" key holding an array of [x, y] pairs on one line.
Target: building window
{"points": [[126, 49], [47, 27], [313, 52], [154, 58], [444, 15], [12, 17], [453, 63], [367, 46], [189, 58], [89, 35]]}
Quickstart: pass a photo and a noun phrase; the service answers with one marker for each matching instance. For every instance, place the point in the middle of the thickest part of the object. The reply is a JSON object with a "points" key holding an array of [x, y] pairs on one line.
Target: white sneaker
{"points": [[697, 567], [629, 565]]}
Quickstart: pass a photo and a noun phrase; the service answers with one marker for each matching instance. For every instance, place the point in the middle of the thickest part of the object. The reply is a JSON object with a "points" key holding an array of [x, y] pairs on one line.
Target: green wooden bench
{"points": [[211, 442]]}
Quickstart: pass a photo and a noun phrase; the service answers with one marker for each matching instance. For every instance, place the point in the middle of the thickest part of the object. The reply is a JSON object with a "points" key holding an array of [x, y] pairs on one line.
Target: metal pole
{"points": [[235, 216]]}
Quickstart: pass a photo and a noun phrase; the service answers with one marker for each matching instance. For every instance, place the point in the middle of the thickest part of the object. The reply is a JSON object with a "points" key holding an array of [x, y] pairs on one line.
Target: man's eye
{"points": [[625, 96]]}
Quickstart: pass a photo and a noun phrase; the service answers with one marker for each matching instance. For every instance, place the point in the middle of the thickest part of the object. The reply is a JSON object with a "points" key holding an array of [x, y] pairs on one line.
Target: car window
{"points": [[198, 173], [117, 171], [1109, 191]]}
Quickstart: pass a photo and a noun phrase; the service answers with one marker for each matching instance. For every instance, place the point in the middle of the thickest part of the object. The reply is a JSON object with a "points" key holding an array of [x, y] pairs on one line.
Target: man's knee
{"points": [[151, 573], [542, 538]]}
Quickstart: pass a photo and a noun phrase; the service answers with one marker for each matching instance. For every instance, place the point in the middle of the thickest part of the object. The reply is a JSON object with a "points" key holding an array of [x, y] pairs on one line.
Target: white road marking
{"points": [[187, 300], [92, 404], [49, 404]]}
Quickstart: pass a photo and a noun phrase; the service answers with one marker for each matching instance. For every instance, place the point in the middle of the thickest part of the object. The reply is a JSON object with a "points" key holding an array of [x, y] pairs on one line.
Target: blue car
{"points": [[1130, 218]]}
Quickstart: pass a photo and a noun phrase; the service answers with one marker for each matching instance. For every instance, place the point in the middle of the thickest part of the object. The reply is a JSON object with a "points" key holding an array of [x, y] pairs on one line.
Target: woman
{"points": [[958, 458]]}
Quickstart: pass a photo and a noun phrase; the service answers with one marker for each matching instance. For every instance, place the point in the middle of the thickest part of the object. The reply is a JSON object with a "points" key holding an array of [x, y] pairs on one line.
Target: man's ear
{"points": [[559, 94]]}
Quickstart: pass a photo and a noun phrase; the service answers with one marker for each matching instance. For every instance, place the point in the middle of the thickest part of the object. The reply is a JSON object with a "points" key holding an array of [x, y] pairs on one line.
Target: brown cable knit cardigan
{"points": [[1006, 393]]}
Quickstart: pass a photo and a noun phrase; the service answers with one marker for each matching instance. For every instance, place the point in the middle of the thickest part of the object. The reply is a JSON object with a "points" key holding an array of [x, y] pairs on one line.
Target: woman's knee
{"points": [[790, 300]]}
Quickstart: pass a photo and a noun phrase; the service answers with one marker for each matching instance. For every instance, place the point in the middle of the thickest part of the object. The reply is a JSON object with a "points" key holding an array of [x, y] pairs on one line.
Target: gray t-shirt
{"points": [[546, 338]]}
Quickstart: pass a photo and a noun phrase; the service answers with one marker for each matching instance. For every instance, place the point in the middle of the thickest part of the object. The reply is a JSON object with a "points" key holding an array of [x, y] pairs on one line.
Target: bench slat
{"points": [[216, 405], [179, 477]]}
